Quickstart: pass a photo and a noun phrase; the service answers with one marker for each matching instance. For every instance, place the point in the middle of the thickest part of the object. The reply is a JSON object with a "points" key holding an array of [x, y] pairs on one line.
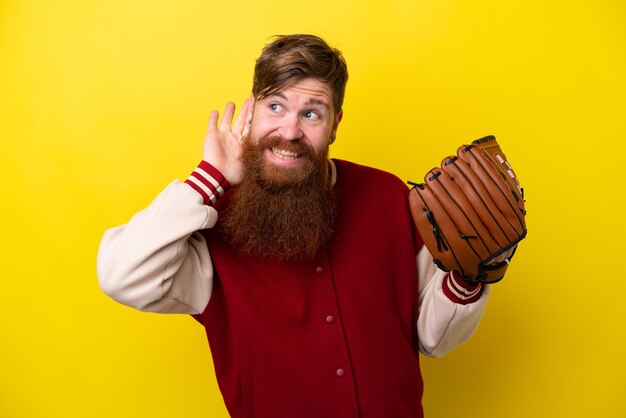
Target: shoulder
{"points": [[350, 174]]}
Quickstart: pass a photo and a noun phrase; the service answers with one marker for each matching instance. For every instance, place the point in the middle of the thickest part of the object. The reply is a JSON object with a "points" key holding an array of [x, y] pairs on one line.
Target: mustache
{"points": [[297, 146]]}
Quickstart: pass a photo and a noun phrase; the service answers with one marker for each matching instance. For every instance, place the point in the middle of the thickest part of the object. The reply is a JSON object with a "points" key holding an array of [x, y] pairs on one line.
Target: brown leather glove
{"points": [[471, 211]]}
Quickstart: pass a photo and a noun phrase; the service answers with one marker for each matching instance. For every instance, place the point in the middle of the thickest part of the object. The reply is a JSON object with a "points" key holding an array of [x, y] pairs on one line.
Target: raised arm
{"points": [[159, 262]]}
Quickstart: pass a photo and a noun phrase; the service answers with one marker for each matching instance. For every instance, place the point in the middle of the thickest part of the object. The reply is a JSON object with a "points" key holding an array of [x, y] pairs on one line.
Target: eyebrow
{"points": [[311, 101], [318, 102]]}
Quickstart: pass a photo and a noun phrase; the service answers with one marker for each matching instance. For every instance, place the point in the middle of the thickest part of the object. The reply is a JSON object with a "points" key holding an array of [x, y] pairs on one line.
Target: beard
{"points": [[283, 213]]}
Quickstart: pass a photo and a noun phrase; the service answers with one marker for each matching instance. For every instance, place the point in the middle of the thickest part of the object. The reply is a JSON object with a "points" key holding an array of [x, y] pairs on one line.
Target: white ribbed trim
{"points": [[207, 177], [459, 291], [205, 189]]}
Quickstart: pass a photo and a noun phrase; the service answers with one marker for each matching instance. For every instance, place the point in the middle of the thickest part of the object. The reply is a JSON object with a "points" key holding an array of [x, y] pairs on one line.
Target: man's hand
{"points": [[222, 144]]}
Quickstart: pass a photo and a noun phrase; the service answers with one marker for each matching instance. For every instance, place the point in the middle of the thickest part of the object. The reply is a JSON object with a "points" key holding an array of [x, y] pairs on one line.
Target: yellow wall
{"points": [[103, 103]]}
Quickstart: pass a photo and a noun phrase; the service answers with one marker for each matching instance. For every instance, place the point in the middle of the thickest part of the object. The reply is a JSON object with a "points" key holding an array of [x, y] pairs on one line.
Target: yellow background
{"points": [[103, 103]]}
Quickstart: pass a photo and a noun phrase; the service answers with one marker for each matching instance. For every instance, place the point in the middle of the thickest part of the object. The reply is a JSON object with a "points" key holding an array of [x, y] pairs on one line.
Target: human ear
{"points": [[333, 132]]}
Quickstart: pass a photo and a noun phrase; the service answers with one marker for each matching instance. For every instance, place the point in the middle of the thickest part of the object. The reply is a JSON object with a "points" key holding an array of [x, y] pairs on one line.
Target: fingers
{"points": [[213, 120], [240, 122], [227, 118], [240, 127]]}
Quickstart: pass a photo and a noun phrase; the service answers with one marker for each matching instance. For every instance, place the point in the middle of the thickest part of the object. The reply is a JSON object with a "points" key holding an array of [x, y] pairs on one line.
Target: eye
{"points": [[275, 107], [311, 115]]}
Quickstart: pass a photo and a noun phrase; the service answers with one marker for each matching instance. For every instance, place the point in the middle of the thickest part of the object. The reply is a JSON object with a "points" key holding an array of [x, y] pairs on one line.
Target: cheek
{"points": [[258, 131], [319, 147], [261, 126], [319, 139]]}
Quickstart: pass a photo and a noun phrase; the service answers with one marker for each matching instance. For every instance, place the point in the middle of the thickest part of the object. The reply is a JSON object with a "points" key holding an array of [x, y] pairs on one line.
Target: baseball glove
{"points": [[470, 212]]}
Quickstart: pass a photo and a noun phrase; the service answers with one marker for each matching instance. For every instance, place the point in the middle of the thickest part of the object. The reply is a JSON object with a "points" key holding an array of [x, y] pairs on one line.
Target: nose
{"points": [[290, 128]]}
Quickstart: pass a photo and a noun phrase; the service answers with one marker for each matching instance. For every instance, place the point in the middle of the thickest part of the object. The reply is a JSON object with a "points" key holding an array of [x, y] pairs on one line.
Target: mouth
{"points": [[284, 155]]}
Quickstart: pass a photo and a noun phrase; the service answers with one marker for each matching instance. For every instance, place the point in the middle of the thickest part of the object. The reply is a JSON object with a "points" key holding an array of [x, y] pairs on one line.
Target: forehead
{"points": [[307, 91]]}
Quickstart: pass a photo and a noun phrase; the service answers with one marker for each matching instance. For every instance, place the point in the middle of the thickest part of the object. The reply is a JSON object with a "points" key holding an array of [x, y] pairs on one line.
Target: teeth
{"points": [[284, 154]]}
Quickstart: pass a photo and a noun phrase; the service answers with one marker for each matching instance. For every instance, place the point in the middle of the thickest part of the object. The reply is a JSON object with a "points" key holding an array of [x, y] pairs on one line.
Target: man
{"points": [[315, 291]]}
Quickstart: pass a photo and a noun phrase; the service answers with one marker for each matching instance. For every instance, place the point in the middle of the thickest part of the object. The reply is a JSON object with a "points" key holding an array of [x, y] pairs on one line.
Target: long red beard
{"points": [[277, 212]]}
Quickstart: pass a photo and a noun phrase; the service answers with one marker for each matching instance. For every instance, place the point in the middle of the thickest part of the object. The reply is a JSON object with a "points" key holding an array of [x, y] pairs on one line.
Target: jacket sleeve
{"points": [[159, 262], [450, 309]]}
